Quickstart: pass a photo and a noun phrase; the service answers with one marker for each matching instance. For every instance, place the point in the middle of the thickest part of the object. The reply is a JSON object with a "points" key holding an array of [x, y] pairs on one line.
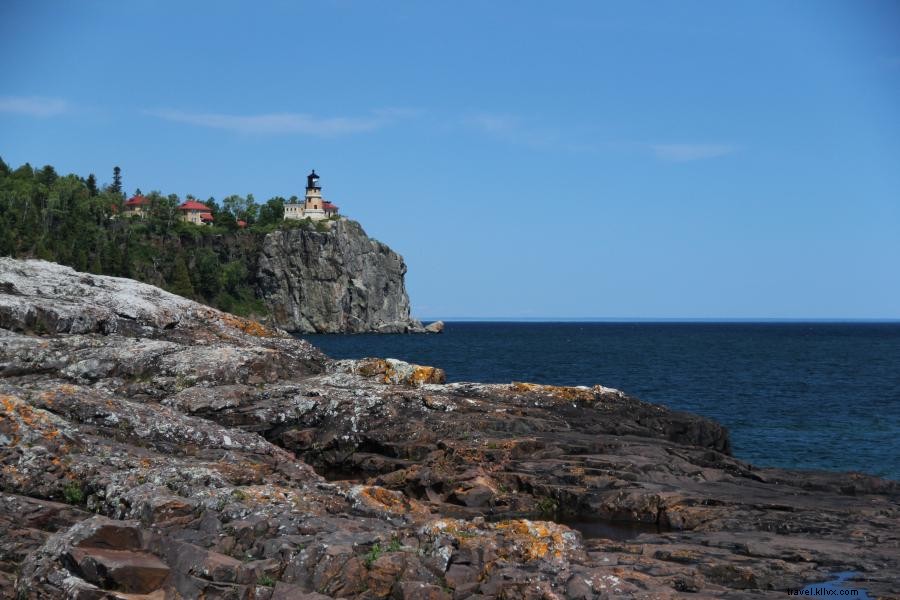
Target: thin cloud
{"points": [[514, 130], [33, 106], [284, 123], [689, 152], [493, 124]]}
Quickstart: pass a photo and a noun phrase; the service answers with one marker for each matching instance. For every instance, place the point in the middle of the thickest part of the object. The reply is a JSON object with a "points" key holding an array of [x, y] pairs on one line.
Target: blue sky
{"points": [[528, 159]]}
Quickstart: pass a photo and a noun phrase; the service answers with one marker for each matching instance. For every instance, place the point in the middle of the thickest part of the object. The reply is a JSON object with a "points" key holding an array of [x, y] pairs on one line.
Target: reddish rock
{"points": [[185, 439], [121, 570]]}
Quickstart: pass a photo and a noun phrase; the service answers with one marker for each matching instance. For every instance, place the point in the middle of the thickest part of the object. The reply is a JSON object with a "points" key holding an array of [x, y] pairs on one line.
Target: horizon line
{"points": [[459, 319]]}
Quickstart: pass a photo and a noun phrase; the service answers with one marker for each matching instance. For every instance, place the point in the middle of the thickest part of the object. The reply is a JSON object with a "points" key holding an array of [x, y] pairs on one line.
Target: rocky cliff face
{"points": [[335, 281], [152, 447]]}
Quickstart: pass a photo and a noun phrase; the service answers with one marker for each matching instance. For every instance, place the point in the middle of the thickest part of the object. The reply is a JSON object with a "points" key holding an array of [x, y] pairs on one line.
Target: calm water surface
{"points": [[800, 395]]}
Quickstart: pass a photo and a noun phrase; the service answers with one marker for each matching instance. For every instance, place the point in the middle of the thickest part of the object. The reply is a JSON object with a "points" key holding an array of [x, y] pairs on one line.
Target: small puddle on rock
{"points": [[620, 531], [839, 586]]}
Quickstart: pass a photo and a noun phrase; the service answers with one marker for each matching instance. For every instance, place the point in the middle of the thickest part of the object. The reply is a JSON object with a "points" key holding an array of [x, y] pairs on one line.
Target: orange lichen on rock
{"points": [[557, 392], [25, 424], [381, 500], [535, 539], [517, 540], [248, 326], [372, 367], [396, 371], [422, 375]]}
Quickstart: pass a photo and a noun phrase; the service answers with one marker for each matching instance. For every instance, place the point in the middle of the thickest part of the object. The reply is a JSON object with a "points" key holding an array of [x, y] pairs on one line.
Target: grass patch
{"points": [[373, 555], [547, 506], [73, 494]]}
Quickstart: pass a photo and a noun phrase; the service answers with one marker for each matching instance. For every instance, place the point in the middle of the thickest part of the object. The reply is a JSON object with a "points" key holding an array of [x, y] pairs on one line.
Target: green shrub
{"points": [[373, 555], [547, 506], [72, 493]]}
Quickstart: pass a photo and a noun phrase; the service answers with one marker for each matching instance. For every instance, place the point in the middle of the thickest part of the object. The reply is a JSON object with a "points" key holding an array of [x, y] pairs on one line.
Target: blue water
{"points": [[837, 584], [798, 395]]}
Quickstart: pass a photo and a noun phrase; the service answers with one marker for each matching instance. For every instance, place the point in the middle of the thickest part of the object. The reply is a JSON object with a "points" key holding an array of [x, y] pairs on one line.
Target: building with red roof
{"points": [[195, 212], [136, 206]]}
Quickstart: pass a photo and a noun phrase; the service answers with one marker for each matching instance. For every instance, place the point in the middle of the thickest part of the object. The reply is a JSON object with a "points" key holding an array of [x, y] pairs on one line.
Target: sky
{"points": [[621, 160]]}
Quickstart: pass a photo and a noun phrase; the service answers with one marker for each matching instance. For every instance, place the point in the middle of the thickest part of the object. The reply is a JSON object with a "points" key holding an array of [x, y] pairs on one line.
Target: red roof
{"points": [[194, 205], [206, 216], [329, 206], [137, 201], [241, 224]]}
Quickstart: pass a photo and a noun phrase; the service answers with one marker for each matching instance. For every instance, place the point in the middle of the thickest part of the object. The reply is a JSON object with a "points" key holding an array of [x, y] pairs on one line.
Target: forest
{"points": [[71, 220]]}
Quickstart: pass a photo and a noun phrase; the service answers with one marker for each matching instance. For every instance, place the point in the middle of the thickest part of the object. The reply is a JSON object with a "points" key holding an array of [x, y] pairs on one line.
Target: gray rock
{"points": [[186, 454], [436, 327], [336, 281]]}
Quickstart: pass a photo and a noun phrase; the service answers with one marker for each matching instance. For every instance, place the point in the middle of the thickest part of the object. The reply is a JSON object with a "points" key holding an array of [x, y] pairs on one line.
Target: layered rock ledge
{"points": [[154, 448]]}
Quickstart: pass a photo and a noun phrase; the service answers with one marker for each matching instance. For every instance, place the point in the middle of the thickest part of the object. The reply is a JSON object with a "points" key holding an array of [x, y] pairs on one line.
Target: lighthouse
{"points": [[313, 196], [313, 207]]}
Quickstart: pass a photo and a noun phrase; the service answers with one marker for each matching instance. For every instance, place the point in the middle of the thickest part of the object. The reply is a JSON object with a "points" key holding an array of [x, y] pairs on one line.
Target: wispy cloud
{"points": [[493, 124], [689, 152], [286, 123], [515, 130], [33, 106]]}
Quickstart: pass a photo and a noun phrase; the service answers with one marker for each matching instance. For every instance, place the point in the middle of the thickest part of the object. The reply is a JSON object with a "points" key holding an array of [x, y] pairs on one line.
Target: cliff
{"points": [[335, 281], [152, 447]]}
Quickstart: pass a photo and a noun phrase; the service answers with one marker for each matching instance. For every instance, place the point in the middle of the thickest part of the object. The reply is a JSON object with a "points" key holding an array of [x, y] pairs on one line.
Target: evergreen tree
{"points": [[181, 279], [208, 273], [24, 172], [47, 175], [91, 184], [117, 181]]}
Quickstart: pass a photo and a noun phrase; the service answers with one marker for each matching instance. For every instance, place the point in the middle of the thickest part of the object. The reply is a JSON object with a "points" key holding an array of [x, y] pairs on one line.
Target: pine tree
{"points": [[47, 175], [117, 180], [181, 279], [91, 183]]}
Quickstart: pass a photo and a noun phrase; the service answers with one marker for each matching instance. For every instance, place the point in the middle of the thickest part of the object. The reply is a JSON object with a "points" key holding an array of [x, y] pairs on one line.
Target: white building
{"points": [[313, 207]]}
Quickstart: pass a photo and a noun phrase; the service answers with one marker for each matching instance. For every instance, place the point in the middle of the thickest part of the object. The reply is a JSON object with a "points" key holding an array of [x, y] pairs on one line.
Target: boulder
{"points": [[436, 327]]}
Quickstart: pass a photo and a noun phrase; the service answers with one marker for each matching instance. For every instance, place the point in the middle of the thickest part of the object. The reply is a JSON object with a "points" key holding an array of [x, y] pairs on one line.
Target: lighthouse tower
{"points": [[314, 207]]}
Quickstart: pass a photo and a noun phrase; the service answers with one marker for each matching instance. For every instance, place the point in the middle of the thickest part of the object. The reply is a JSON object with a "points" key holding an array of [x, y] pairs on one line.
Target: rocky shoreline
{"points": [[152, 447]]}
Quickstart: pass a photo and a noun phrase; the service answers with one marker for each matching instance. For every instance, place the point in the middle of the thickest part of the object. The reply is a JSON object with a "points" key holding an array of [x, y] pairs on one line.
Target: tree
{"points": [[24, 172], [208, 273], [47, 175], [272, 211], [117, 181], [225, 219], [91, 184], [181, 279]]}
